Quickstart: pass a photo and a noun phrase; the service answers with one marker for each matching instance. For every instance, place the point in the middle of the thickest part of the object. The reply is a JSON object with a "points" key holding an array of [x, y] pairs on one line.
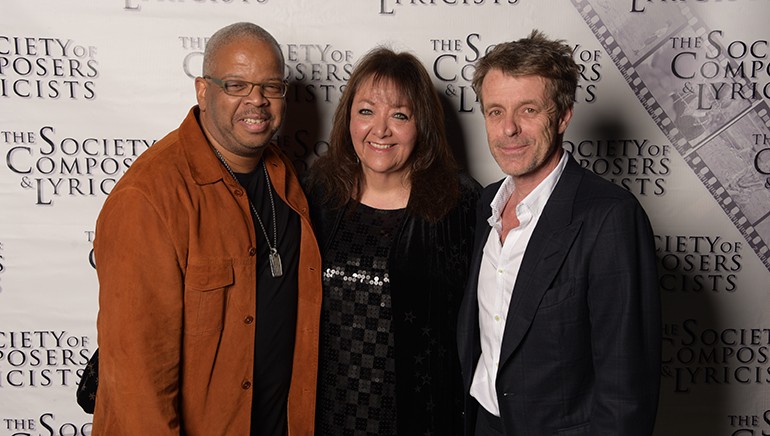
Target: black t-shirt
{"points": [[276, 307]]}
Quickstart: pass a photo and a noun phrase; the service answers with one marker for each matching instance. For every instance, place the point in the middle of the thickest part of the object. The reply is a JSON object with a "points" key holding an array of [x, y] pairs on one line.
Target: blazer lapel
{"points": [[547, 248]]}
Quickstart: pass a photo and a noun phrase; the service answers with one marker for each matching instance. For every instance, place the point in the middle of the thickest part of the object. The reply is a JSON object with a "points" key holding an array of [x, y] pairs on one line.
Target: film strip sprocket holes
{"points": [[713, 134]]}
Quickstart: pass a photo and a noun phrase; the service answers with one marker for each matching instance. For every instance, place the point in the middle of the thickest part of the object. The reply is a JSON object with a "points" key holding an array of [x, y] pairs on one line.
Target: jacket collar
{"points": [[205, 166]]}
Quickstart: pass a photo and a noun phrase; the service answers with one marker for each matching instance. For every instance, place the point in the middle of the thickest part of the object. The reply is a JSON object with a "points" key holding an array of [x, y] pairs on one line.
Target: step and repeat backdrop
{"points": [[672, 105]]}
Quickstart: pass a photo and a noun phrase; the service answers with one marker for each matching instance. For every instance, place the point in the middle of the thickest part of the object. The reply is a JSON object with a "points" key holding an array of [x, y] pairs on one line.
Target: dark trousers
{"points": [[488, 424]]}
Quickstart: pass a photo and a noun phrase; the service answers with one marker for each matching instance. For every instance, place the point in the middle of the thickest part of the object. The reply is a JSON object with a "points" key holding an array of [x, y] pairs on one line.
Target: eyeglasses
{"points": [[242, 88]]}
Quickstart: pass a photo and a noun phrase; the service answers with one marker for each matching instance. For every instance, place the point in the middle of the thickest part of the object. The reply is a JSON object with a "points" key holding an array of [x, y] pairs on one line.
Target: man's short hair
{"points": [[535, 55]]}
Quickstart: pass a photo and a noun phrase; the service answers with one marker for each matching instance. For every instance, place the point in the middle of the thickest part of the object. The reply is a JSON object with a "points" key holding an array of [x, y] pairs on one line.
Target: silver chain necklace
{"points": [[275, 259]]}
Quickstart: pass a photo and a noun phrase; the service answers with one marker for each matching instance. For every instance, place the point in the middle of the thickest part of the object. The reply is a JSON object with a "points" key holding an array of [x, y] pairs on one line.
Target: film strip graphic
{"points": [[718, 136]]}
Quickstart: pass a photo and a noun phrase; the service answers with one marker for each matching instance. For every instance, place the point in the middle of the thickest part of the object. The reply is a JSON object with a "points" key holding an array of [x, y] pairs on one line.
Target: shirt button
{"points": [[500, 271], [249, 319], [246, 384], [497, 317], [252, 251]]}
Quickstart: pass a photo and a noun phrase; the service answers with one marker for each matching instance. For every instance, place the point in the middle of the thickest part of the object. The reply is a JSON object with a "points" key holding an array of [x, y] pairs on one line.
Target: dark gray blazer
{"points": [[581, 346]]}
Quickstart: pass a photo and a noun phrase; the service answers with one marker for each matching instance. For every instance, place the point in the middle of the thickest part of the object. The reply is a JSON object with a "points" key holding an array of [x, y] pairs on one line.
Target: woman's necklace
{"points": [[275, 259]]}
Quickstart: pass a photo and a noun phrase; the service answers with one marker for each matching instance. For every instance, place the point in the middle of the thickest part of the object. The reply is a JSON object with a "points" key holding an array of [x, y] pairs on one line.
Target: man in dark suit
{"points": [[559, 331]]}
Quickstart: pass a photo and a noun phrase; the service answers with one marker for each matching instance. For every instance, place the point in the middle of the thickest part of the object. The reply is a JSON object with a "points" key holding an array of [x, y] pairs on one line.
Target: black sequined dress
{"points": [[393, 283], [356, 376]]}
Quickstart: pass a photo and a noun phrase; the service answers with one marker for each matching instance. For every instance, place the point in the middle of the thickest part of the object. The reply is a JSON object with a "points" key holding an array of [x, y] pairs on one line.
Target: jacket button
{"points": [[238, 192], [249, 319], [246, 384], [252, 251]]}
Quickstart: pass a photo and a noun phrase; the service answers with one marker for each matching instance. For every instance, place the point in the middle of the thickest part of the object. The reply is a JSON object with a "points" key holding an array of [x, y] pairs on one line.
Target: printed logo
{"points": [[318, 74], [455, 60], [707, 94], [46, 424], [750, 425], [389, 7], [698, 264], [640, 166], [318, 71], [41, 358], [454, 66], [53, 165], [694, 356], [47, 68]]}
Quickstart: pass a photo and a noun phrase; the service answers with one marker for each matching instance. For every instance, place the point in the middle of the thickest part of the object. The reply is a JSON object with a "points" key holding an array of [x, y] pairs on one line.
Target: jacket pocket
{"points": [[558, 294], [575, 430], [205, 297]]}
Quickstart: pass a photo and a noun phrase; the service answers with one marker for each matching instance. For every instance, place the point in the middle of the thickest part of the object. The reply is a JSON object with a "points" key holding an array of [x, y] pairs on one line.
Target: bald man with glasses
{"points": [[209, 273]]}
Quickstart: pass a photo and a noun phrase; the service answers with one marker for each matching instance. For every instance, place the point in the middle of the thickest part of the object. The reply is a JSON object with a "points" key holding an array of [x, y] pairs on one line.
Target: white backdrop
{"points": [[673, 105]]}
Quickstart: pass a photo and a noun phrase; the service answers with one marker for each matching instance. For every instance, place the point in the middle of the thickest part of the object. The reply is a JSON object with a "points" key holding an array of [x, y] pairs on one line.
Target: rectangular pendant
{"points": [[275, 264]]}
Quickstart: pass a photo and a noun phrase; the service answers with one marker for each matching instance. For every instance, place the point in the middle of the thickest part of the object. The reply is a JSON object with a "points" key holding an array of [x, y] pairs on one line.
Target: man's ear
{"points": [[564, 120], [200, 92]]}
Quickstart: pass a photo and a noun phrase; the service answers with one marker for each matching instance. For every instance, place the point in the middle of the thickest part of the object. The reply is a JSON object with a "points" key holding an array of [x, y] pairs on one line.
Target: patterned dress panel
{"points": [[357, 381]]}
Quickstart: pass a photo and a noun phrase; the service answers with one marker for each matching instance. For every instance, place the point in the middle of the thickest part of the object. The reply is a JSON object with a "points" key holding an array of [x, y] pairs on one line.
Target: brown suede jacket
{"points": [[175, 254]]}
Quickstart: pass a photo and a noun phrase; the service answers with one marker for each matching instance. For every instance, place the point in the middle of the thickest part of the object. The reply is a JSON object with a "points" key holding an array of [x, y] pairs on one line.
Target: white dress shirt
{"points": [[499, 268]]}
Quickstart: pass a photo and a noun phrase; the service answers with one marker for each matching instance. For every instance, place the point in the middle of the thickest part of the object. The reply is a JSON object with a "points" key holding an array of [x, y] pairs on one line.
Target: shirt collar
{"points": [[534, 202]]}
